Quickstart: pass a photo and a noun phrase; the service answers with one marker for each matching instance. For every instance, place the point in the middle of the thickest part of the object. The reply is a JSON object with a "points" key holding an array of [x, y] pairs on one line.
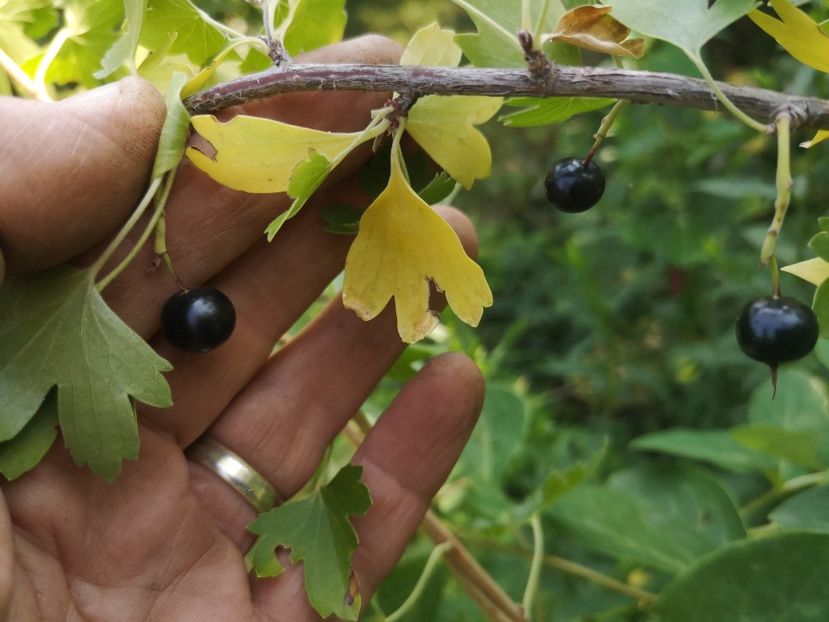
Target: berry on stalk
{"points": [[198, 320], [574, 185], [775, 330]]}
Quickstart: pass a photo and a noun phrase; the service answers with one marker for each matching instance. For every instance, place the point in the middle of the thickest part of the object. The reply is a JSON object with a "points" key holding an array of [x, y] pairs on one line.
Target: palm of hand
{"points": [[166, 541]]}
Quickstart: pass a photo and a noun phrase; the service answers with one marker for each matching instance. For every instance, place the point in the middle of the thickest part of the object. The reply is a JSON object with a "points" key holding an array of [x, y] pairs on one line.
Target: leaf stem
{"points": [[128, 226], [784, 188], [145, 235], [49, 57], [526, 18], [788, 487], [607, 122], [726, 102], [535, 566], [542, 20], [23, 81], [417, 592]]}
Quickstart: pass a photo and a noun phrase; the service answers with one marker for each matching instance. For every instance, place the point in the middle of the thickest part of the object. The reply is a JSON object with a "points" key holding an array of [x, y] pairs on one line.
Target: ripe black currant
{"points": [[777, 330], [198, 320], [574, 185]]}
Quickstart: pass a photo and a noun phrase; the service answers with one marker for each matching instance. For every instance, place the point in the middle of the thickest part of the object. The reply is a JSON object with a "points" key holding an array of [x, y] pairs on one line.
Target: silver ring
{"points": [[244, 479]]}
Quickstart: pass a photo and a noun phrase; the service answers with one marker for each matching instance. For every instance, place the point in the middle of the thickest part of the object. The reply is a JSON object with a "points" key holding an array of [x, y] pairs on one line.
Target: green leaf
{"points": [[89, 31], [550, 110], [319, 534], [198, 37], [173, 138], [735, 188], [496, 44], [306, 178], [26, 450], [820, 305], [438, 189], [21, 21], [820, 245], [689, 24], [797, 447], [665, 517], [801, 404], [123, 50], [55, 329], [717, 447], [312, 24], [808, 511], [780, 577]]}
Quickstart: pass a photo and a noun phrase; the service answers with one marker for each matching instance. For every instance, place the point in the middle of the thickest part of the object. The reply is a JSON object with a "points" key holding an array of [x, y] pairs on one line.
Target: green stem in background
{"points": [[788, 487], [417, 592], [607, 122], [49, 56], [784, 188], [535, 566], [727, 103], [161, 201], [128, 226], [160, 243], [21, 78]]}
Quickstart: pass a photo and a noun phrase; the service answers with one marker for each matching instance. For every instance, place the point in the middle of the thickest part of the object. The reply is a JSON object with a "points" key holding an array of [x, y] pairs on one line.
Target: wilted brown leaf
{"points": [[593, 28]]}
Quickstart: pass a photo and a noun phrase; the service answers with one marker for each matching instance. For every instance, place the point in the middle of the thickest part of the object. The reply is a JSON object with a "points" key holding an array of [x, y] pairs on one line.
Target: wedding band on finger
{"points": [[244, 479]]}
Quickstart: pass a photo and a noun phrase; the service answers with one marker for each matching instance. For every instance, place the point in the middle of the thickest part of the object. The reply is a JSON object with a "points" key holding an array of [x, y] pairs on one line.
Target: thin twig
{"points": [[636, 86]]}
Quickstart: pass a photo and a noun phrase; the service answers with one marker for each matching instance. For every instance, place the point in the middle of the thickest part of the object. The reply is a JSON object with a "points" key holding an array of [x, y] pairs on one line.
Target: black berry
{"points": [[198, 320], [573, 185], [777, 330]]}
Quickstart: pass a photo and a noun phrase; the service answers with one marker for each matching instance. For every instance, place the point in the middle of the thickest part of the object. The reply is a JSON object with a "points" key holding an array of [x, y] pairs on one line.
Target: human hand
{"points": [[166, 540]]}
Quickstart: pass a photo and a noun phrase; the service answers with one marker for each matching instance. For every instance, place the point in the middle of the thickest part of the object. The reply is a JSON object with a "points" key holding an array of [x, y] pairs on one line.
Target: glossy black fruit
{"points": [[777, 330], [198, 320], [573, 186]]}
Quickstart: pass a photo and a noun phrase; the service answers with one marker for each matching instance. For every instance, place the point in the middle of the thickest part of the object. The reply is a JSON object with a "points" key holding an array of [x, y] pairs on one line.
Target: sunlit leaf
{"points": [[798, 447], [550, 110], [18, 20], [259, 155], [312, 24], [444, 126], [198, 35], [401, 245], [56, 330], [123, 50], [797, 33], [319, 534], [306, 178], [593, 28], [815, 271]]}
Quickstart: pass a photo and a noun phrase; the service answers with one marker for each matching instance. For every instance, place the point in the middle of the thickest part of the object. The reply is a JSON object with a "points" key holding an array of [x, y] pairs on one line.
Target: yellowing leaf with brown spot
{"points": [[815, 271], [592, 28], [797, 33], [444, 126], [259, 155], [402, 244]]}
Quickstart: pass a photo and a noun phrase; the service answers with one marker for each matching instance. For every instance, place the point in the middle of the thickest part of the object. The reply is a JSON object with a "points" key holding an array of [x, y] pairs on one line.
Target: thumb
{"points": [[70, 172]]}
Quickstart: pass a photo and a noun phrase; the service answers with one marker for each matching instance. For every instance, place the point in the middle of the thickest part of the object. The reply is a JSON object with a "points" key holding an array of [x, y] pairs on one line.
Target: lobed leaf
{"points": [[23, 452], [402, 245], [197, 35], [312, 24], [123, 50], [319, 534], [798, 33], [56, 330]]}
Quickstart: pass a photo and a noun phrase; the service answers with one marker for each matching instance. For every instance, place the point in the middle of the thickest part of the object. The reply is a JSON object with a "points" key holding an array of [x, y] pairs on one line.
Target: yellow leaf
{"points": [[444, 127], [818, 138], [401, 245], [259, 155], [432, 46], [199, 81], [815, 271], [592, 28], [797, 33]]}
